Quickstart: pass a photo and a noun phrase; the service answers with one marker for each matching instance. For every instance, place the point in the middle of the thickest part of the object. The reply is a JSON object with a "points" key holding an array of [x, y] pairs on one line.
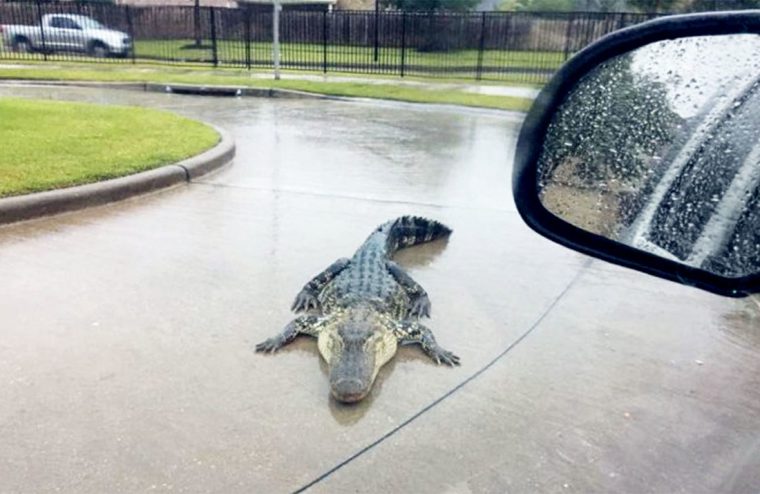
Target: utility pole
{"points": [[276, 38]]}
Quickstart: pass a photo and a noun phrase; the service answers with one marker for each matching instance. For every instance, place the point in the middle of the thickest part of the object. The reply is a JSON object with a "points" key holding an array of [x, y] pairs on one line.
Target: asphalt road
{"points": [[126, 331]]}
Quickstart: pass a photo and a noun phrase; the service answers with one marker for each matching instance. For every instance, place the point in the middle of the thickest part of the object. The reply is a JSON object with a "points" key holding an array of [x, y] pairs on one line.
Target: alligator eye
{"points": [[376, 345], [335, 344]]}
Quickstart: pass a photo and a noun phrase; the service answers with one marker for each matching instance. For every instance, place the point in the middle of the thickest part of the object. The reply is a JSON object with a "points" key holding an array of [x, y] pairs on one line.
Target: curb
{"points": [[206, 90], [135, 86], [171, 87], [156, 87], [26, 207]]}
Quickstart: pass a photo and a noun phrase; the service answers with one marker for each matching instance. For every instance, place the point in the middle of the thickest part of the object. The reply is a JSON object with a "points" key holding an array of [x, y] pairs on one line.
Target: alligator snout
{"points": [[349, 390], [352, 373]]}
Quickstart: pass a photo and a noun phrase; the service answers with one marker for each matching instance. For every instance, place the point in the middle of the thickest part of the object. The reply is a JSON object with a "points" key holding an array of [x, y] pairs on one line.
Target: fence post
{"points": [[481, 47], [568, 35], [621, 22], [403, 42], [377, 30], [197, 23], [324, 41], [42, 30], [248, 37], [131, 29], [214, 52]]}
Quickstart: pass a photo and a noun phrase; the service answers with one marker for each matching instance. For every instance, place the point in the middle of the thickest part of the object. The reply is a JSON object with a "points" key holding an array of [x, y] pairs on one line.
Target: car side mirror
{"points": [[644, 151]]}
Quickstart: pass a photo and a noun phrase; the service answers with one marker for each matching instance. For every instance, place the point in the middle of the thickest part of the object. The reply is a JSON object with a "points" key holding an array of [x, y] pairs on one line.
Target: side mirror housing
{"points": [[644, 151]]}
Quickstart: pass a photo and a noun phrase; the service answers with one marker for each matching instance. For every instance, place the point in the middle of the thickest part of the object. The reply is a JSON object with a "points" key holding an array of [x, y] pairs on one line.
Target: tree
{"points": [[680, 6], [435, 29], [602, 5], [654, 5], [602, 147], [431, 5], [564, 5], [702, 5], [610, 126], [538, 5]]}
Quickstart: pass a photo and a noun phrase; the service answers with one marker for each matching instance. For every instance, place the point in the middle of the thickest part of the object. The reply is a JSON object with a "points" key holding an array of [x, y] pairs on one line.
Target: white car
{"points": [[67, 32]]}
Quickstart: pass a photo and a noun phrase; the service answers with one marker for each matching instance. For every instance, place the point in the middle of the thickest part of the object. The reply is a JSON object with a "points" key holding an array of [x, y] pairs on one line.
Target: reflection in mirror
{"points": [[659, 149]]}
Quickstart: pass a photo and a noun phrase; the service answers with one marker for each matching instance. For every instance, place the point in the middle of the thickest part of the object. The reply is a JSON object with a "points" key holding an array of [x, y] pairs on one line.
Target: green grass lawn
{"points": [[49, 145], [168, 74]]}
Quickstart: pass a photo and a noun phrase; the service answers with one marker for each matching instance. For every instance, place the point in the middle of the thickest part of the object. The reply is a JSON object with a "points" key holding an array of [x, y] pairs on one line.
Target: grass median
{"points": [[118, 72], [49, 145]]}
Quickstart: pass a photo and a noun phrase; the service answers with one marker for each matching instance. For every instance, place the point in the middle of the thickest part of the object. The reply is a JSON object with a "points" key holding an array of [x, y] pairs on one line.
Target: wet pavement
{"points": [[127, 330]]}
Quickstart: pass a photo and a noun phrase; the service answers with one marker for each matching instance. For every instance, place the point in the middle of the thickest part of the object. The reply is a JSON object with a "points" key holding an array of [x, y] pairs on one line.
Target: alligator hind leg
{"points": [[307, 297], [308, 325], [417, 295], [411, 332]]}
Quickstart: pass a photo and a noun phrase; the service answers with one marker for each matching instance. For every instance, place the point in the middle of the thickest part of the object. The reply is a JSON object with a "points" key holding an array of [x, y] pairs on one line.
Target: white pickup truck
{"points": [[67, 32]]}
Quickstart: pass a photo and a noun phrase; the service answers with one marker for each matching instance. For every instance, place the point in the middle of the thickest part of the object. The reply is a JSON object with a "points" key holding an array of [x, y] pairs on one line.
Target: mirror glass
{"points": [[659, 149]]}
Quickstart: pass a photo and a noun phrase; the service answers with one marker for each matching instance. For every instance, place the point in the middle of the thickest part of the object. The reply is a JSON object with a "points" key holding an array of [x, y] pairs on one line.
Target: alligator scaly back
{"points": [[392, 236], [363, 307], [407, 231]]}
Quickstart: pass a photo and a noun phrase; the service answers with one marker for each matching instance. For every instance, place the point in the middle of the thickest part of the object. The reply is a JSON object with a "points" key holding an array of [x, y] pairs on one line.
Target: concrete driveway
{"points": [[126, 331]]}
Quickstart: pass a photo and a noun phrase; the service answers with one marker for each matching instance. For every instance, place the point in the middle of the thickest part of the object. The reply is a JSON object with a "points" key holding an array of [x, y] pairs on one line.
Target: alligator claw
{"points": [[449, 358], [453, 359], [304, 301], [421, 307], [442, 356], [445, 357], [271, 345]]}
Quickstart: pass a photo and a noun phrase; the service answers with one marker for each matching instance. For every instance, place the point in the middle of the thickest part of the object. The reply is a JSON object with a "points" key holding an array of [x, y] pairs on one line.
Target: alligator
{"points": [[361, 309]]}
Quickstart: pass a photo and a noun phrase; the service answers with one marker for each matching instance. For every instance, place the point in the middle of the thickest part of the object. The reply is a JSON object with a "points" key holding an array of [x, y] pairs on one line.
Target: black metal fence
{"points": [[505, 46]]}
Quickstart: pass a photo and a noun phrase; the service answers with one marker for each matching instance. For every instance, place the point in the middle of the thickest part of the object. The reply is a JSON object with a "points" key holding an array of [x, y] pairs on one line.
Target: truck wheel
{"points": [[98, 50], [22, 45]]}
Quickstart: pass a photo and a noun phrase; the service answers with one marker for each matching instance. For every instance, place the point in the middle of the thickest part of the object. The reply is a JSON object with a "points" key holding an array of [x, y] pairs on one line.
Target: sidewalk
{"points": [[490, 89], [474, 87]]}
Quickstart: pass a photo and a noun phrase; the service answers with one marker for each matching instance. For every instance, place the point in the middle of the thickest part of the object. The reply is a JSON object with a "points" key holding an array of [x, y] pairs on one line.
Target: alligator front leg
{"points": [[308, 325], [307, 297], [417, 295], [411, 332]]}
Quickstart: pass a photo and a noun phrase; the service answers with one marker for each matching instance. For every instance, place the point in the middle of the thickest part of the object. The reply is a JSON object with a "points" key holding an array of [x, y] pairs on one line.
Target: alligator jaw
{"points": [[348, 390], [352, 373], [355, 351]]}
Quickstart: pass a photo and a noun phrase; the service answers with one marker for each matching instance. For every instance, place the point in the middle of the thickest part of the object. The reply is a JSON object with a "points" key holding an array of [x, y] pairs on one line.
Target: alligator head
{"points": [[355, 347]]}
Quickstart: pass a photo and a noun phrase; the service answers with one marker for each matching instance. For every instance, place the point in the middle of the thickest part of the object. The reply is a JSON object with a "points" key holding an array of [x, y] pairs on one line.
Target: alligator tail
{"points": [[407, 231]]}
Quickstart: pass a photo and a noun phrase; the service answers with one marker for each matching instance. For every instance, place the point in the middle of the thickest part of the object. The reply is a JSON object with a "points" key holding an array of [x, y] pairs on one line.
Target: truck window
{"points": [[63, 23]]}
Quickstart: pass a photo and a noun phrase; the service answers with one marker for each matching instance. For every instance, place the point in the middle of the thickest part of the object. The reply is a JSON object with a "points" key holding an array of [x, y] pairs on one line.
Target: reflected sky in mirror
{"points": [[699, 70]]}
